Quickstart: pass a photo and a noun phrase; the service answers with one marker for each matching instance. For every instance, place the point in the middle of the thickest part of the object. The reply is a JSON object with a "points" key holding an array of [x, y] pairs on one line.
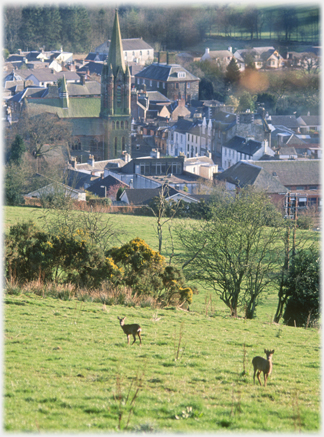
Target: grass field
{"points": [[68, 366]]}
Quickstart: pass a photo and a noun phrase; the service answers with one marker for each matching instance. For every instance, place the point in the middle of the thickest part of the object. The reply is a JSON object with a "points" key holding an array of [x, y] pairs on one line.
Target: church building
{"points": [[100, 115], [115, 106]]}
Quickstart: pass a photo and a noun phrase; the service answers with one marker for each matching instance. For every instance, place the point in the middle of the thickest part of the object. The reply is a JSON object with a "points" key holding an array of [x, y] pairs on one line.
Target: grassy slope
{"points": [[63, 362]]}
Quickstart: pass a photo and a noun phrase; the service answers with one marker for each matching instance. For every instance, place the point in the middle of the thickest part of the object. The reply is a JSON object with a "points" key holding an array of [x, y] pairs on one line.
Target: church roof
{"points": [[78, 107]]}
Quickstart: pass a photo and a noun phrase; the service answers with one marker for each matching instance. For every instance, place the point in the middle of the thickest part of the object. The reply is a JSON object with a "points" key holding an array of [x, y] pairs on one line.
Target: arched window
{"points": [[117, 124], [115, 146]]}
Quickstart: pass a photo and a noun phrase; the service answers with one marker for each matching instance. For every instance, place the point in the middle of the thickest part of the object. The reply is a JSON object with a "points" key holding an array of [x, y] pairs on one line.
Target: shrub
{"points": [[302, 285]]}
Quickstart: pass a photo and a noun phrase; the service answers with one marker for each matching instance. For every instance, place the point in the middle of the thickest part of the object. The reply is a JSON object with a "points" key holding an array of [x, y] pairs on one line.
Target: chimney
{"points": [[230, 49], [91, 160], [170, 58], [161, 57], [206, 51], [73, 161], [82, 79]]}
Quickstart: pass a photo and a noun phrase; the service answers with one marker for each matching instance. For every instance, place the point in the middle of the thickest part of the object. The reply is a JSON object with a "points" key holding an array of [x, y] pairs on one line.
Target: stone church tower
{"points": [[115, 106]]}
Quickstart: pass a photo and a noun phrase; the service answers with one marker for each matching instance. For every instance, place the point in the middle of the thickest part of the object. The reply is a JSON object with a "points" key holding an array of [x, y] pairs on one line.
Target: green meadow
{"points": [[68, 366]]}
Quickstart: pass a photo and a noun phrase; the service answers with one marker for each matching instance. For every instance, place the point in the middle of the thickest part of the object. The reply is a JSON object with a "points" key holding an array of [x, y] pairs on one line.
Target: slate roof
{"points": [[97, 57], [289, 121], [143, 196], [293, 172], [240, 144], [100, 165], [244, 173], [46, 75], [92, 67], [310, 120], [77, 179], [32, 91], [226, 120], [107, 182], [156, 96], [128, 44], [182, 126], [165, 73], [287, 151]]}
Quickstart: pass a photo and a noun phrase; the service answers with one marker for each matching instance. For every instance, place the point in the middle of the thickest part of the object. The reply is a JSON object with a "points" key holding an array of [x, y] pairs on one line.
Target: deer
{"points": [[130, 329], [263, 365]]}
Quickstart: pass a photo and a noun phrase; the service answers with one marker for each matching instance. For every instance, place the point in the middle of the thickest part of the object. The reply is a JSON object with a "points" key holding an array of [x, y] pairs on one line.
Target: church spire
{"points": [[115, 56]]}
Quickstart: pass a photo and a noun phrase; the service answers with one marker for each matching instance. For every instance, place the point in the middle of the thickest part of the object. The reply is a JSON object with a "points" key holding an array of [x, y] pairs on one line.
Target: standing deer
{"points": [[130, 329], [263, 365]]}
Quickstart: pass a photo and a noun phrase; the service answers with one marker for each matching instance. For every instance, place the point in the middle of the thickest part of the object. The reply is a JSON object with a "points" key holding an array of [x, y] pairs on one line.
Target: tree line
{"points": [[82, 28]]}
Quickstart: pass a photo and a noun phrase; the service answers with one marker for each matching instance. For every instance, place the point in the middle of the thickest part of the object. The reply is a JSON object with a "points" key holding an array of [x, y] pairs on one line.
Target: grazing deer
{"points": [[130, 329], [263, 365]]}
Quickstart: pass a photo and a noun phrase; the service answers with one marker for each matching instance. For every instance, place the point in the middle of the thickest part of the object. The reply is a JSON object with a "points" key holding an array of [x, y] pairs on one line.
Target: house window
{"points": [[177, 85], [143, 81], [164, 85], [150, 83], [188, 85], [141, 52], [138, 81], [158, 84]]}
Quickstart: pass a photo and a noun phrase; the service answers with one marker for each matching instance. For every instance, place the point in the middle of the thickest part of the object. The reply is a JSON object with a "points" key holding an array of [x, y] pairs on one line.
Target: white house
{"points": [[134, 49], [203, 166], [240, 148], [219, 57]]}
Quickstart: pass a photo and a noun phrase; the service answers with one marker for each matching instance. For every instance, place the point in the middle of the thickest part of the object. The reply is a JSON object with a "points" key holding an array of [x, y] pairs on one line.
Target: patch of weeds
{"points": [[225, 423], [155, 380], [189, 412], [178, 350], [145, 427], [168, 364], [126, 404]]}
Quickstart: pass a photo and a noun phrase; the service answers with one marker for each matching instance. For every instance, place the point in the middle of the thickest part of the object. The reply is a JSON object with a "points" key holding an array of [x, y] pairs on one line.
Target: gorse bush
{"points": [[144, 270], [34, 255]]}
